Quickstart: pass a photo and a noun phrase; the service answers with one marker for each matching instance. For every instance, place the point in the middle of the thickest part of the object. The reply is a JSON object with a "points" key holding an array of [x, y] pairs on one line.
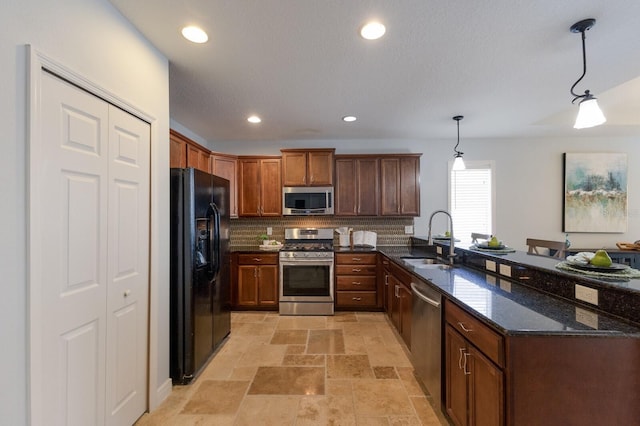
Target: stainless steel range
{"points": [[306, 272]]}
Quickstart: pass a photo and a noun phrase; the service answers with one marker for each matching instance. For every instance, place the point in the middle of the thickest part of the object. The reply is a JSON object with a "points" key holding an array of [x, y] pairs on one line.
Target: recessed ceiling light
{"points": [[254, 119], [372, 31], [195, 34], [349, 118]]}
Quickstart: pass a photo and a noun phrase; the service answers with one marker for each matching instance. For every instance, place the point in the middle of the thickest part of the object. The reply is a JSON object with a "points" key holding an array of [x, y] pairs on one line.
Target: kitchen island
{"points": [[519, 348]]}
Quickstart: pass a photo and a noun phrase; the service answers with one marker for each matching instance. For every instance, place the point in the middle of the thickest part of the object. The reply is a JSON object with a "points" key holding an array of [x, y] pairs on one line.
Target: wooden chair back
{"points": [[475, 236], [558, 246]]}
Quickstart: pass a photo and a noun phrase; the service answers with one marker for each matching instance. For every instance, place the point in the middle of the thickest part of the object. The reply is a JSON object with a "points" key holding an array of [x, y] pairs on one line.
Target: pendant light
{"points": [[458, 162], [589, 114]]}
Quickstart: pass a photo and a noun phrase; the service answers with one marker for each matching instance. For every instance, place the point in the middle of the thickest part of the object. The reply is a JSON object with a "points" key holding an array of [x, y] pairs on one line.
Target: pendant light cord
{"points": [[584, 72], [455, 148]]}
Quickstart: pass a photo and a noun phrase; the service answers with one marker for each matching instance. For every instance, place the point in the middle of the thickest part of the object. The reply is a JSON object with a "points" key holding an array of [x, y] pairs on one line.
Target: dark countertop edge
{"points": [[395, 254]]}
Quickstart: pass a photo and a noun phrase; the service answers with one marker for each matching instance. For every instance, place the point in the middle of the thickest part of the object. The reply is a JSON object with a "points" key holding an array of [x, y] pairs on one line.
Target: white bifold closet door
{"points": [[94, 214]]}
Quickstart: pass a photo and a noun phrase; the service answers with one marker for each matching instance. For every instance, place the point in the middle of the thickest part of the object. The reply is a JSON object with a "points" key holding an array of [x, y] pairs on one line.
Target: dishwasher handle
{"points": [[417, 292]]}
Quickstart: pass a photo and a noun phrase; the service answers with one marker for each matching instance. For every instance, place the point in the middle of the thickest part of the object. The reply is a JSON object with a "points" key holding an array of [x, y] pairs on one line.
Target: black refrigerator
{"points": [[200, 277]]}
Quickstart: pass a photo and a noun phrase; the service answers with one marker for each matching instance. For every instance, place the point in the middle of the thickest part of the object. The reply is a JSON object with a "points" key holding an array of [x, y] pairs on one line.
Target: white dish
{"points": [[271, 246]]}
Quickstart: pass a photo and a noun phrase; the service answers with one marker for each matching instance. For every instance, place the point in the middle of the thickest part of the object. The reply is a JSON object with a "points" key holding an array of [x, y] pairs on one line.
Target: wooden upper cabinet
{"points": [[178, 151], [226, 166], [259, 186], [357, 187], [271, 186], [186, 153], [307, 167], [400, 185]]}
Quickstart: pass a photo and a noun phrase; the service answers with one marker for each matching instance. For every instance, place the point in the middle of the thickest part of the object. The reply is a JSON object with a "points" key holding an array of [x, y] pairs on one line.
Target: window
{"points": [[472, 199]]}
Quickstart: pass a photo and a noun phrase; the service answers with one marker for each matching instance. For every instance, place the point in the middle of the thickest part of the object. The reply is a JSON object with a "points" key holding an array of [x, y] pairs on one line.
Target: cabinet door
{"points": [[268, 285], [406, 307], [485, 390], [249, 187], [390, 186], [247, 285], [320, 168], [193, 156], [410, 186], [367, 188], [456, 397], [294, 168], [400, 186], [204, 161], [395, 285], [178, 153], [271, 187], [345, 188], [226, 167]]}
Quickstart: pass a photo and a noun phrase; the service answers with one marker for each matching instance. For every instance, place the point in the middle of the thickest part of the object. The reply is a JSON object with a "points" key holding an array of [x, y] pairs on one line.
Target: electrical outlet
{"points": [[269, 230], [439, 250], [490, 265], [505, 270], [408, 229], [587, 294]]}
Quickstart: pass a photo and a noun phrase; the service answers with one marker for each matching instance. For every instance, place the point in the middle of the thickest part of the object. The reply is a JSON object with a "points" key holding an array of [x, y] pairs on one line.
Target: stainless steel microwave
{"points": [[307, 200]]}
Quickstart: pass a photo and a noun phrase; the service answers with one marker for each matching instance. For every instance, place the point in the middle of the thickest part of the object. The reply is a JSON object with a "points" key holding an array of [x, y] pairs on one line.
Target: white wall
{"points": [[91, 38], [529, 179]]}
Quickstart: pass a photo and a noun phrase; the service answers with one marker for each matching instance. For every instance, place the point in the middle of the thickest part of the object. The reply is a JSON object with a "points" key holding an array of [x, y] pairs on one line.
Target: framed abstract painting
{"points": [[595, 192]]}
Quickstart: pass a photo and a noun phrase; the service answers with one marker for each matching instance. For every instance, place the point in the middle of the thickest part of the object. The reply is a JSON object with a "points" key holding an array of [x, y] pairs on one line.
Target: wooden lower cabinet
{"points": [[257, 281], [400, 301], [474, 385], [474, 380], [356, 281]]}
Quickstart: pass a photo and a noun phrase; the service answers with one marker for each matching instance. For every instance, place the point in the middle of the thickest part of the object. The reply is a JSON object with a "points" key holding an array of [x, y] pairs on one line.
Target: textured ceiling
{"points": [[507, 66]]}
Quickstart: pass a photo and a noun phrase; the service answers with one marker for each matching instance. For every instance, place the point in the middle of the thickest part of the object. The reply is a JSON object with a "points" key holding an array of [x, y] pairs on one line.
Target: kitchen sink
{"points": [[425, 263]]}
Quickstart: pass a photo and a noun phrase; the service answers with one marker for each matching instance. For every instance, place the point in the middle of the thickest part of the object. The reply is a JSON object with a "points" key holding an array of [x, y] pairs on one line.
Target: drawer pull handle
{"points": [[460, 358], [356, 259], [257, 259], [465, 329], [355, 282], [356, 270], [357, 299]]}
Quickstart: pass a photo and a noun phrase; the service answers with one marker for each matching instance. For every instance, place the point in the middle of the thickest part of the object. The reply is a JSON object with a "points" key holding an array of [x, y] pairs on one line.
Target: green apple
{"points": [[493, 242], [447, 234]]}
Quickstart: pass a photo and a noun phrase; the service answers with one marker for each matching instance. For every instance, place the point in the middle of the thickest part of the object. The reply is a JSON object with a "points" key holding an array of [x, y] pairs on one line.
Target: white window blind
{"points": [[471, 199]]}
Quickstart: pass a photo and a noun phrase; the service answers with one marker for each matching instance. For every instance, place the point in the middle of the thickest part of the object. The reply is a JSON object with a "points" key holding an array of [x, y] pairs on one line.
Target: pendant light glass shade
{"points": [[589, 114], [458, 163]]}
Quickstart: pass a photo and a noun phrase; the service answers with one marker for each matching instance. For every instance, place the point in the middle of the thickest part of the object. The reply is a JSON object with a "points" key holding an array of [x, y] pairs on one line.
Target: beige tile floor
{"points": [[347, 369]]}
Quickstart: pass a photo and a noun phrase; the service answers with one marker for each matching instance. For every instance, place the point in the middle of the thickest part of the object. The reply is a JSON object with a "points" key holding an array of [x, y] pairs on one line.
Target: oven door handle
{"points": [[308, 261]]}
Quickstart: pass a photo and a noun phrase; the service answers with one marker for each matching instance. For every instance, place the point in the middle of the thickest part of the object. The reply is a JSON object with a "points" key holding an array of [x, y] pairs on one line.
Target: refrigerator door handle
{"points": [[214, 242]]}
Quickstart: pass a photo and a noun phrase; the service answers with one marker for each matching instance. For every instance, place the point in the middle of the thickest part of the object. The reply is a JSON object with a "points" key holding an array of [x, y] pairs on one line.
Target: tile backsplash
{"points": [[390, 230]]}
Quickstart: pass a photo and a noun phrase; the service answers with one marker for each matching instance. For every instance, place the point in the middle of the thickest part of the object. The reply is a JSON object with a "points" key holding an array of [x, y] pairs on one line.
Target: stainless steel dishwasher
{"points": [[426, 338]]}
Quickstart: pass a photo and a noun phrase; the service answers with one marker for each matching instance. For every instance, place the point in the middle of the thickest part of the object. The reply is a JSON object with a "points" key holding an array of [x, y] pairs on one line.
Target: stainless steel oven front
{"points": [[306, 283]]}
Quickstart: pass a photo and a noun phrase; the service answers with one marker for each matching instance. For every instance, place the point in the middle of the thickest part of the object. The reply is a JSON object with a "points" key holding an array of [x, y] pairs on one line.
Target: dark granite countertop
{"points": [[509, 306]]}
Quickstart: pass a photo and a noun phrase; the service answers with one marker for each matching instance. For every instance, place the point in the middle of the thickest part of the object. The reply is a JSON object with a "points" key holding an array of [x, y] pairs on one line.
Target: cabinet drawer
{"points": [[356, 282], [258, 259], [485, 339], [356, 270], [356, 298], [355, 259]]}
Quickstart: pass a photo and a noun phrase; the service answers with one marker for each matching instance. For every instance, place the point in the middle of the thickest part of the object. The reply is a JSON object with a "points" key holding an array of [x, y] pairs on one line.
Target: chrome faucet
{"points": [[452, 252]]}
